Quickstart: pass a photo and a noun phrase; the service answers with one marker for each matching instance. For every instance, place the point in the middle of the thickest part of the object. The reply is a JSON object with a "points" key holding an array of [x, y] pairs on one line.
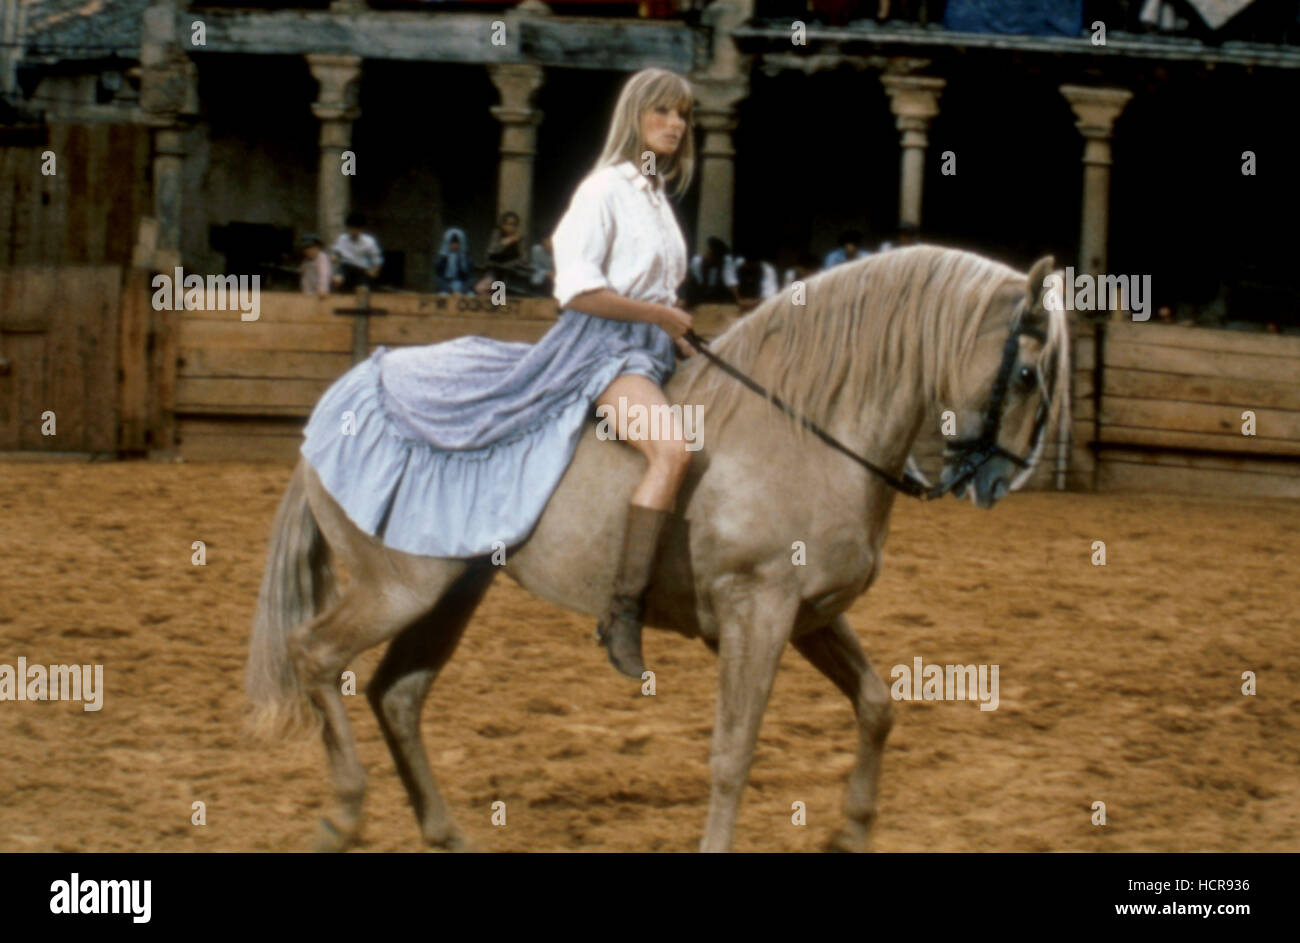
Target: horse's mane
{"points": [[865, 327]]}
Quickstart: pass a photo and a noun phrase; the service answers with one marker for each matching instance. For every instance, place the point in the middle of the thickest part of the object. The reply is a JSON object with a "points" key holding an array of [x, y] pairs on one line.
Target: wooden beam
{"points": [[572, 42]]}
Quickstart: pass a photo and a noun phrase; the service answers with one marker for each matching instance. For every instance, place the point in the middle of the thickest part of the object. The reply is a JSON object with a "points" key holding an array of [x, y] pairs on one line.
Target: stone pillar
{"points": [[914, 100], [715, 115], [168, 102], [518, 84], [1096, 110], [336, 107]]}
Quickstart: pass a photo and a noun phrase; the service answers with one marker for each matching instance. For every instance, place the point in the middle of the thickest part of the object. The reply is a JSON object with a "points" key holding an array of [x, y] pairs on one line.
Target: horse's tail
{"points": [[298, 583]]}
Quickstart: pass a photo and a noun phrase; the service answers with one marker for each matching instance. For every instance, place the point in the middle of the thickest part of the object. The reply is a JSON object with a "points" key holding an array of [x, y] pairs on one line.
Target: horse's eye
{"points": [[1026, 379]]}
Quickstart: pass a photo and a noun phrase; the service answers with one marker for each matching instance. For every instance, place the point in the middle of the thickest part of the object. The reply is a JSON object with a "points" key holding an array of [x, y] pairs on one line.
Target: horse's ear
{"points": [[1034, 286]]}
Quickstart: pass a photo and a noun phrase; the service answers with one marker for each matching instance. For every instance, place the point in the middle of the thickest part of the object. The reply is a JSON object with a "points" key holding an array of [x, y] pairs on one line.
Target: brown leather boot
{"points": [[620, 630]]}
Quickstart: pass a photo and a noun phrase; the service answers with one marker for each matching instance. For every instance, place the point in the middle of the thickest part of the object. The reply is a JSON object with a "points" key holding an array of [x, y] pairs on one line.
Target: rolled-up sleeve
{"points": [[582, 242]]}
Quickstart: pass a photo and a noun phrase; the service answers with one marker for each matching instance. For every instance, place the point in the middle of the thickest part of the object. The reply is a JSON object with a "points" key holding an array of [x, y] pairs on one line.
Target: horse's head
{"points": [[1007, 392]]}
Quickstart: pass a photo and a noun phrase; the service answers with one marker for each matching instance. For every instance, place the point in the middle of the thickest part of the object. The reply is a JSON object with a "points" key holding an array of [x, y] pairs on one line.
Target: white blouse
{"points": [[620, 233]]}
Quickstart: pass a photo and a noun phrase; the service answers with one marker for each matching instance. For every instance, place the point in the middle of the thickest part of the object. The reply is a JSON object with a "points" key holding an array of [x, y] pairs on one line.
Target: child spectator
{"points": [[453, 273], [316, 276]]}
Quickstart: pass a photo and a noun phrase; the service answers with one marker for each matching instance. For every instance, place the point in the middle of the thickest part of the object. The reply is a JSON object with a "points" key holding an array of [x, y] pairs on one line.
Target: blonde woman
{"points": [[457, 447]]}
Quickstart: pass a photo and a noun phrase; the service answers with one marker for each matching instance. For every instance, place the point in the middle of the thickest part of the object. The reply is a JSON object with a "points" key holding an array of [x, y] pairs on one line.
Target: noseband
{"points": [[971, 454]]}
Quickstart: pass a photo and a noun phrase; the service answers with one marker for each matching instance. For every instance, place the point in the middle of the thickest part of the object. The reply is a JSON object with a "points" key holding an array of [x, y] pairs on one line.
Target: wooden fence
{"points": [[1155, 407], [244, 389], [1169, 409]]}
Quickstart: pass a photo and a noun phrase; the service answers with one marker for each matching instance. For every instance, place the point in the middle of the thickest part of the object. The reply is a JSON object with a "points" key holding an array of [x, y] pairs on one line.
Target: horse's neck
{"points": [[880, 430]]}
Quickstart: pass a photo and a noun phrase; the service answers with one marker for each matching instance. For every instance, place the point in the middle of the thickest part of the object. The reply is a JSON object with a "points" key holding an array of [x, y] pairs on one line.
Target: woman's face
{"points": [[509, 224], [662, 129]]}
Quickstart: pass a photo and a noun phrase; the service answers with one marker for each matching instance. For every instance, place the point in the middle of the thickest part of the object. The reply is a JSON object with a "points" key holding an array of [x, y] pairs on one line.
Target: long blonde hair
{"points": [[647, 89]]}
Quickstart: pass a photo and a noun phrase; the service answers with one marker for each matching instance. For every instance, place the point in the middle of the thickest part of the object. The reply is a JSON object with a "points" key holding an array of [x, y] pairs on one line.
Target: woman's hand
{"points": [[676, 323]]}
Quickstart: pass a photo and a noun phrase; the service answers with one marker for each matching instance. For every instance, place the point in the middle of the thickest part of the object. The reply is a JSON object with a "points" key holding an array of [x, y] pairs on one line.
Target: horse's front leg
{"points": [[755, 618], [836, 652]]}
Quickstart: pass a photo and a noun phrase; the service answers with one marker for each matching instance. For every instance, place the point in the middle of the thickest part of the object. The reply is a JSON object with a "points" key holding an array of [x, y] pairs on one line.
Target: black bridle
{"points": [[971, 454]]}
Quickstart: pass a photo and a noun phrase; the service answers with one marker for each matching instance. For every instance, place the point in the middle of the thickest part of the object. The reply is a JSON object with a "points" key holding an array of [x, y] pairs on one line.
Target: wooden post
{"points": [[361, 324]]}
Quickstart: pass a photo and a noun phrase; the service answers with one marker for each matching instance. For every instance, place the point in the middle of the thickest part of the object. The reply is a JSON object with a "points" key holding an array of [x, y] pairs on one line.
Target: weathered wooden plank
{"points": [[236, 392], [434, 330], [1224, 391], [1132, 476], [1198, 417], [100, 364], [1174, 439], [279, 449], [263, 364], [102, 175], [133, 336], [27, 353], [229, 411], [54, 221], [164, 352], [290, 426], [75, 162], [1286, 467], [1201, 338], [294, 307], [233, 334], [25, 243], [68, 298], [1209, 363], [120, 219], [617, 45], [9, 157]]}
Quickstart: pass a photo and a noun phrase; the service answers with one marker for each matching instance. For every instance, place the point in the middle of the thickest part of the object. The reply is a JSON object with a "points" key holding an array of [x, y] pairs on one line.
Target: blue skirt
{"points": [[446, 449]]}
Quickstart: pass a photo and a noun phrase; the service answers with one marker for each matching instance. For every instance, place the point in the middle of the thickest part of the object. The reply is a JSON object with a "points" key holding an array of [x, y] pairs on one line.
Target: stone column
{"points": [[914, 100], [168, 102], [336, 107], [1096, 110], [715, 115], [518, 84]]}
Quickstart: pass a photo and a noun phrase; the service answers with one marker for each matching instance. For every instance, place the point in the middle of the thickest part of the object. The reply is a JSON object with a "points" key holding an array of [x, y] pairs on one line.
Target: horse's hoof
{"points": [[454, 841], [848, 841], [330, 840]]}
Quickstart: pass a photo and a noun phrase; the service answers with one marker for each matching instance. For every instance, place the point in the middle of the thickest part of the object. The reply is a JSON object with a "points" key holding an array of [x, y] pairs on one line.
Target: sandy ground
{"points": [[1118, 684]]}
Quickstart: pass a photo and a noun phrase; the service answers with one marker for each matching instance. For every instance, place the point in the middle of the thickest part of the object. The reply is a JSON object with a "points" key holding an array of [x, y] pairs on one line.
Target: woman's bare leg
{"points": [[652, 502], [666, 454]]}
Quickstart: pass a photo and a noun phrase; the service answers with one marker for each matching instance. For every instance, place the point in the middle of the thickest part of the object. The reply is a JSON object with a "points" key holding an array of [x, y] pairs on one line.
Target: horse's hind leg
{"points": [[398, 690], [836, 652], [369, 612]]}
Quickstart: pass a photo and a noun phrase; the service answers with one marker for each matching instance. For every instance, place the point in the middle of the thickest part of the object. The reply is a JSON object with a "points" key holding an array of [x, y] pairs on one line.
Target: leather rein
{"points": [[971, 453]]}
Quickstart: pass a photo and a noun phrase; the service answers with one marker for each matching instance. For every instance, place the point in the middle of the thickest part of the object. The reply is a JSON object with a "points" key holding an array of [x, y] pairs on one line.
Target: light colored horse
{"points": [[880, 348]]}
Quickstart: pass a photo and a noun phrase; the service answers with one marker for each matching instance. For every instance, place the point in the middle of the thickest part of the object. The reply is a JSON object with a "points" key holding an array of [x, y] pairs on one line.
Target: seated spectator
{"points": [[712, 276], [357, 255], [543, 260], [316, 276], [505, 255], [803, 269], [849, 249], [905, 235], [755, 281], [453, 273]]}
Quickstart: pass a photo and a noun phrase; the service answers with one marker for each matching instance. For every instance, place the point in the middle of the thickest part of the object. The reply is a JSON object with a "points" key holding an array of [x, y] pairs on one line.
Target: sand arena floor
{"points": [[1118, 683]]}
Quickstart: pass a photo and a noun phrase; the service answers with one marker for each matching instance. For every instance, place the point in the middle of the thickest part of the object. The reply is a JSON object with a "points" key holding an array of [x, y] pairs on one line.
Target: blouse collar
{"points": [[630, 172]]}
